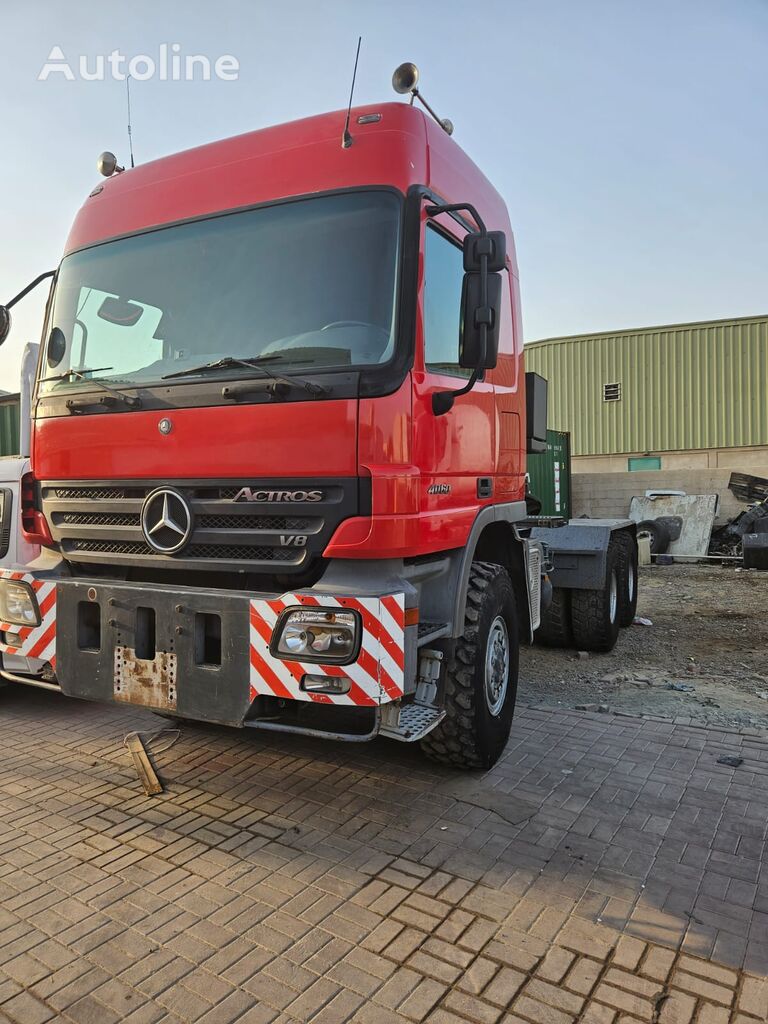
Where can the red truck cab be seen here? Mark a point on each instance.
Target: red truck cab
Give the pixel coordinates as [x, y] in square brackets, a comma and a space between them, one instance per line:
[261, 514]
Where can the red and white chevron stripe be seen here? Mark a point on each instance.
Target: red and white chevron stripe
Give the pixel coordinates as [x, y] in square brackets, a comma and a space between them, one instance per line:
[378, 674]
[35, 641]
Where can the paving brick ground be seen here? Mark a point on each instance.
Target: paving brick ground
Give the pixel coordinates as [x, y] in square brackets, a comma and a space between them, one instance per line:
[607, 870]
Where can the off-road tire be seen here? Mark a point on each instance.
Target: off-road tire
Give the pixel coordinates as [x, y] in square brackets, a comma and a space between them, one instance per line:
[594, 616]
[470, 736]
[555, 629]
[628, 578]
[658, 533]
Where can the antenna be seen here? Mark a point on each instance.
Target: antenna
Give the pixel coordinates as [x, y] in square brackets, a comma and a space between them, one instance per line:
[346, 138]
[128, 98]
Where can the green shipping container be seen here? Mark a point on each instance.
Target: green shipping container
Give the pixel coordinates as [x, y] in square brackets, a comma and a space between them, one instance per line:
[550, 474]
[9, 425]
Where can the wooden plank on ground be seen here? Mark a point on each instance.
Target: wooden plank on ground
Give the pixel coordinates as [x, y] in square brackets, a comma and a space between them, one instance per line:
[143, 765]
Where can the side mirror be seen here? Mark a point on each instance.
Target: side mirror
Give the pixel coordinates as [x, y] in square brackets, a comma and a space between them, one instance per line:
[492, 244]
[473, 316]
[485, 254]
[5, 323]
[5, 315]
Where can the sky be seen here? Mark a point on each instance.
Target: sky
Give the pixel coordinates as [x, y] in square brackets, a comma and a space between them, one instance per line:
[628, 138]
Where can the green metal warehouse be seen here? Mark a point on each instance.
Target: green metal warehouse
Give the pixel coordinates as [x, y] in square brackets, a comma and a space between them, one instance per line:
[677, 398]
[677, 407]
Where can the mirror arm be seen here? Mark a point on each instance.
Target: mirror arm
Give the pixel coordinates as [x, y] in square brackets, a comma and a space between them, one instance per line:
[29, 288]
[442, 401]
[435, 211]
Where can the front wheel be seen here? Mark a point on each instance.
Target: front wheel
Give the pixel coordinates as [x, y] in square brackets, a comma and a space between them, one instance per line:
[480, 682]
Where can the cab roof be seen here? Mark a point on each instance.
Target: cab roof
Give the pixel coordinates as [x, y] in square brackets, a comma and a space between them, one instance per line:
[402, 148]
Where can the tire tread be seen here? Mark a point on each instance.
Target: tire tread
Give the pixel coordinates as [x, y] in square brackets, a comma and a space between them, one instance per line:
[454, 740]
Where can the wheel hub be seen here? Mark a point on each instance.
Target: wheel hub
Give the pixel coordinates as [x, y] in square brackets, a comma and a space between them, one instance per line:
[497, 665]
[614, 597]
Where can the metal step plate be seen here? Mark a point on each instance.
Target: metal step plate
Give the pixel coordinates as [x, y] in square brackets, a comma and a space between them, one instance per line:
[413, 722]
[431, 631]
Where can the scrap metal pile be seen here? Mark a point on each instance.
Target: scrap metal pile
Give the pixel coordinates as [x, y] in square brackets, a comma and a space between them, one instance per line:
[746, 533]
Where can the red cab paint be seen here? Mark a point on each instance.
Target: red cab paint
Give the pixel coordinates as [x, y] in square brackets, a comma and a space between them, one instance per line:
[423, 469]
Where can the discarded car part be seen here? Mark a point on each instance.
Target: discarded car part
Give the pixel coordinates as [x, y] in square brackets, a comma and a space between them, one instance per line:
[595, 613]
[657, 534]
[644, 549]
[674, 525]
[695, 512]
[727, 540]
[748, 488]
[555, 629]
[755, 547]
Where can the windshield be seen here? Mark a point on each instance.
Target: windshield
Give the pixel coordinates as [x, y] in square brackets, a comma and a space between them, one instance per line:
[309, 283]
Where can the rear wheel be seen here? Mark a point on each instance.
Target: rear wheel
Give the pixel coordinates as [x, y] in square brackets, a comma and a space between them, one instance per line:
[595, 613]
[480, 681]
[627, 565]
[555, 629]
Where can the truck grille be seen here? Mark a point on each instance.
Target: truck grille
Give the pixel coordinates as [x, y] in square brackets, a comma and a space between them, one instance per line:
[89, 521]
[130, 547]
[204, 522]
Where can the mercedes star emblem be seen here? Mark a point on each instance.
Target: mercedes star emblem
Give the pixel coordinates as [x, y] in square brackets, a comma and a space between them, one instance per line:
[166, 520]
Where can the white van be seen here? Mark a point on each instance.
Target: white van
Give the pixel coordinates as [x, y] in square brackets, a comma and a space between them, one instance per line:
[15, 551]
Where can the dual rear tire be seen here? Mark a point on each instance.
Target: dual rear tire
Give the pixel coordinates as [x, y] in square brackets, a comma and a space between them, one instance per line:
[628, 578]
[589, 620]
[595, 613]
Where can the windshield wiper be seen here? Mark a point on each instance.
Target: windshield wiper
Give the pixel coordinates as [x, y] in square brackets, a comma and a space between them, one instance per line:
[115, 395]
[280, 385]
[75, 373]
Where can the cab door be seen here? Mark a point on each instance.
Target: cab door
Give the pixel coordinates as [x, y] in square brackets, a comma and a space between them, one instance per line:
[510, 393]
[456, 452]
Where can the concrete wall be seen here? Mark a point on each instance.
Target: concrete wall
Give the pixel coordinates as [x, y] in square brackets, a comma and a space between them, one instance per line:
[742, 460]
[601, 495]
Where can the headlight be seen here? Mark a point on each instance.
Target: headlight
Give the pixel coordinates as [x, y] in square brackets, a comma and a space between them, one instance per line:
[317, 634]
[18, 604]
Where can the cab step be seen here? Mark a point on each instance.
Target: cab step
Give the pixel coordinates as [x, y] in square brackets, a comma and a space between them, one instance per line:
[429, 631]
[412, 723]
